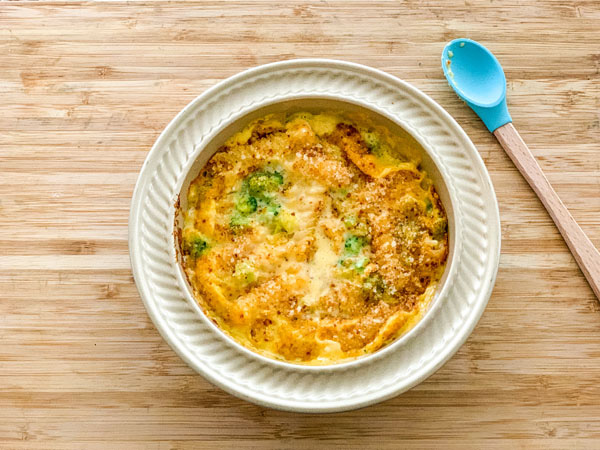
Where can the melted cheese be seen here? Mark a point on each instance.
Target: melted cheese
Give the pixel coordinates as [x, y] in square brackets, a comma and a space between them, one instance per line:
[314, 238]
[326, 257]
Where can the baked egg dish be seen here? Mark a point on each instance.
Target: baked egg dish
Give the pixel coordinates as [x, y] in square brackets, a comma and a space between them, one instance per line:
[314, 238]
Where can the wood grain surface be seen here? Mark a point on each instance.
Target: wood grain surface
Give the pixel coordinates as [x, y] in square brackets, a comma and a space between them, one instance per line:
[582, 248]
[85, 89]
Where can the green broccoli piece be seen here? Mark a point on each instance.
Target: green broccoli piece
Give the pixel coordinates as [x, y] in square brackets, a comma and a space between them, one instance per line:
[354, 244]
[285, 222]
[440, 227]
[360, 264]
[246, 204]
[254, 197]
[238, 221]
[350, 221]
[244, 273]
[273, 209]
[357, 264]
[358, 228]
[374, 287]
[428, 206]
[195, 246]
[371, 140]
[259, 183]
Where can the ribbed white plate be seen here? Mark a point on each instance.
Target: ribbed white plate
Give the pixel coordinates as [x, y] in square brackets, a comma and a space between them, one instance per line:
[451, 322]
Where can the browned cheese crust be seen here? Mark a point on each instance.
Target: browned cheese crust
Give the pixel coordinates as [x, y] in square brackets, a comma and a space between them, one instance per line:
[314, 238]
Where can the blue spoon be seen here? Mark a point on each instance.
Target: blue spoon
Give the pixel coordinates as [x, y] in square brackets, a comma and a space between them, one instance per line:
[477, 77]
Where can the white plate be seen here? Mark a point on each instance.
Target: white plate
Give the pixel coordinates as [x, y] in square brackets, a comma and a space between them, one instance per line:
[457, 309]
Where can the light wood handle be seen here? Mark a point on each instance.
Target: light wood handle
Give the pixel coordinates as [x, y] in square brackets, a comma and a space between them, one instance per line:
[586, 255]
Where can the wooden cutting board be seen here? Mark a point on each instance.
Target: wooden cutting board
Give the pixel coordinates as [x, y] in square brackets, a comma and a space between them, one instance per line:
[85, 89]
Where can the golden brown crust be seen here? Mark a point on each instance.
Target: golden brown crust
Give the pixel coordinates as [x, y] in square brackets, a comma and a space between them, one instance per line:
[339, 255]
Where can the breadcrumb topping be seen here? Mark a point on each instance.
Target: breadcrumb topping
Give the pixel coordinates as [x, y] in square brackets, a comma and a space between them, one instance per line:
[314, 238]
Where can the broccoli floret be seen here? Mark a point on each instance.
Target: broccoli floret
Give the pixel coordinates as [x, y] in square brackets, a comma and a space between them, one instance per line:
[285, 222]
[428, 206]
[255, 197]
[238, 221]
[273, 209]
[262, 182]
[195, 246]
[358, 228]
[244, 273]
[361, 263]
[350, 259]
[280, 220]
[374, 286]
[357, 264]
[350, 221]
[440, 227]
[354, 244]
[371, 140]
[246, 204]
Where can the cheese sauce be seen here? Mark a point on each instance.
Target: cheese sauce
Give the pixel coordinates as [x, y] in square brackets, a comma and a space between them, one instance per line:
[314, 238]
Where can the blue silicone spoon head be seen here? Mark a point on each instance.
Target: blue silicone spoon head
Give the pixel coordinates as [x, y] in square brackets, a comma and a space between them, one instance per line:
[477, 77]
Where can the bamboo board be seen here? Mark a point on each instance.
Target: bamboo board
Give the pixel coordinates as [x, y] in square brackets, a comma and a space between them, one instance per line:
[85, 90]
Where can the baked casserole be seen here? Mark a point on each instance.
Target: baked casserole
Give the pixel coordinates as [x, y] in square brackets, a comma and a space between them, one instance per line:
[314, 238]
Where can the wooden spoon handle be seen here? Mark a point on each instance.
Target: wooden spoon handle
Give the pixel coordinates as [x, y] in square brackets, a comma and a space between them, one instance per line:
[586, 255]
